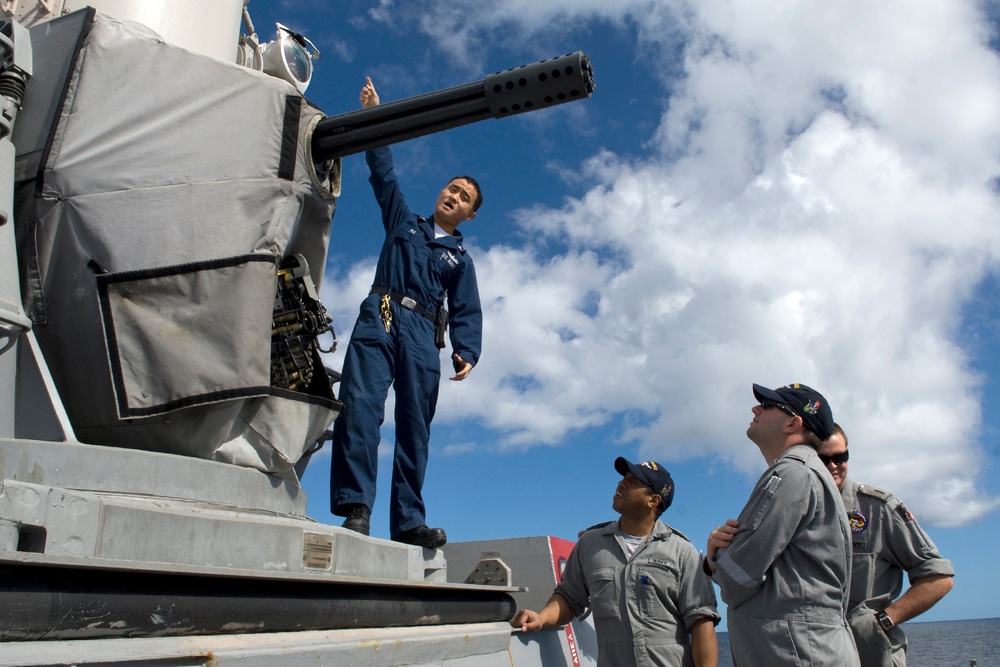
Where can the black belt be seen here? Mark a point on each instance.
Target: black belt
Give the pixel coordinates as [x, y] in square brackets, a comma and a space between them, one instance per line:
[406, 302]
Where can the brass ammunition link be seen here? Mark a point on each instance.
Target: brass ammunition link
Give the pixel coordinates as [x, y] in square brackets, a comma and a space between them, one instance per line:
[299, 318]
[386, 313]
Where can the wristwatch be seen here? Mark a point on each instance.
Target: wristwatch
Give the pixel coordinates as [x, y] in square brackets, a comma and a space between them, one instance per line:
[884, 621]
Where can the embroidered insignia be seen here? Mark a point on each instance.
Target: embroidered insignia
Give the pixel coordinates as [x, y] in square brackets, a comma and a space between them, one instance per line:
[665, 491]
[449, 257]
[812, 407]
[858, 521]
[904, 513]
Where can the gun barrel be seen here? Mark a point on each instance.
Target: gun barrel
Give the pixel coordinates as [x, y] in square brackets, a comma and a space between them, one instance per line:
[528, 88]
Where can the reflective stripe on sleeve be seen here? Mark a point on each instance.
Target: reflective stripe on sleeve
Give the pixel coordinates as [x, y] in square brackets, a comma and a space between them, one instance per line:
[735, 572]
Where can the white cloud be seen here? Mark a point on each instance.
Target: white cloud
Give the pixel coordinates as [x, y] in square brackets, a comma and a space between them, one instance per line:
[830, 211]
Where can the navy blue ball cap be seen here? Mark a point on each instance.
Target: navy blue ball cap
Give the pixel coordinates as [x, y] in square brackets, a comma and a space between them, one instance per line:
[652, 474]
[804, 401]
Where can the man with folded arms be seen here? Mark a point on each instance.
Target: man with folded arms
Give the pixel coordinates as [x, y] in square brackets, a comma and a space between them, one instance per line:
[784, 565]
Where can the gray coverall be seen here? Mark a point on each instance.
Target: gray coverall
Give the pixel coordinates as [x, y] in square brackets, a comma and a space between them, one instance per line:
[886, 541]
[644, 606]
[785, 575]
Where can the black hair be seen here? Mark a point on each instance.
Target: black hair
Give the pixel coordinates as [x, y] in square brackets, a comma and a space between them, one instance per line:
[810, 438]
[479, 191]
[661, 507]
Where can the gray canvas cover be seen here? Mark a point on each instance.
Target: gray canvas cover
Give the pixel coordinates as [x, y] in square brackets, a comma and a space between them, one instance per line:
[171, 188]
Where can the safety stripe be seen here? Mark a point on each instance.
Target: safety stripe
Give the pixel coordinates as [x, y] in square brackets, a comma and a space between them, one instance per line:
[737, 573]
[289, 137]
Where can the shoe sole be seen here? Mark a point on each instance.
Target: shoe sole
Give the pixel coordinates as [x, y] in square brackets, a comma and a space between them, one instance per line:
[436, 544]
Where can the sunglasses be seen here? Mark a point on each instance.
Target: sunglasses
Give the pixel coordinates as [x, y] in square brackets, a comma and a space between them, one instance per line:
[838, 459]
[767, 404]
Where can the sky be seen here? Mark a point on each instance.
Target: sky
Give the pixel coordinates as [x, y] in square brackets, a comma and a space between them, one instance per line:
[756, 192]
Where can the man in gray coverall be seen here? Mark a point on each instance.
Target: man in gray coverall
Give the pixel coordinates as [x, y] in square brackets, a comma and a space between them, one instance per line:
[886, 541]
[653, 606]
[783, 567]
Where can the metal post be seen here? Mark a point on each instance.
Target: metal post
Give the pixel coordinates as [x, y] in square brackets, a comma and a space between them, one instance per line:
[15, 68]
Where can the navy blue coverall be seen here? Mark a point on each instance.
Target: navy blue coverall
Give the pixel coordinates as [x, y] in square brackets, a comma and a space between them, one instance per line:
[430, 271]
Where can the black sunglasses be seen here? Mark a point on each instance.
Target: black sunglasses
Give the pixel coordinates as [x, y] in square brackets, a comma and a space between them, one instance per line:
[767, 404]
[838, 459]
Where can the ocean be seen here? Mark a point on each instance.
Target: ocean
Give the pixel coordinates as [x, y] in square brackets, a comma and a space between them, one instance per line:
[936, 644]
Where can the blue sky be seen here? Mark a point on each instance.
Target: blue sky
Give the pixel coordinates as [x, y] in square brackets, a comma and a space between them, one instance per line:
[783, 193]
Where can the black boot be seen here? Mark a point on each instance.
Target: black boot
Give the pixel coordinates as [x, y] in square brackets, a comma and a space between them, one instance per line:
[422, 536]
[358, 518]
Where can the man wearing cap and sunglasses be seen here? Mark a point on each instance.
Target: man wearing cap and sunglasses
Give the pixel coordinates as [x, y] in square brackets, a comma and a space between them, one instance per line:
[886, 542]
[652, 603]
[783, 567]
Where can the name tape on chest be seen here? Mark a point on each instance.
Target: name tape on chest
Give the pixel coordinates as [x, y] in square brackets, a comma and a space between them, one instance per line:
[449, 257]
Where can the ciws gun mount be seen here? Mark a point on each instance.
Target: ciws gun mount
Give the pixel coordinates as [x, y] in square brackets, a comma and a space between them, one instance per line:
[515, 91]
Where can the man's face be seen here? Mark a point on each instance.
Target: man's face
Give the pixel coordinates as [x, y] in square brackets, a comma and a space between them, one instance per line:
[767, 424]
[631, 495]
[454, 204]
[833, 447]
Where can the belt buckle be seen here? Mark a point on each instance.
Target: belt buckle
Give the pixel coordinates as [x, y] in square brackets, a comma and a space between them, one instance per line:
[408, 303]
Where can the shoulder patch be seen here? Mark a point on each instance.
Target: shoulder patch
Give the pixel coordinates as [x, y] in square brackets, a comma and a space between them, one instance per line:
[874, 492]
[677, 533]
[596, 525]
[905, 514]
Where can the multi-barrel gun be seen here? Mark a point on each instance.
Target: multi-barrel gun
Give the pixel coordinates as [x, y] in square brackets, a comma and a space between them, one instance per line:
[515, 91]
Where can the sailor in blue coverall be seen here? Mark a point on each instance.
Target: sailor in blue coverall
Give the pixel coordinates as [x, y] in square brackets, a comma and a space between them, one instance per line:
[423, 265]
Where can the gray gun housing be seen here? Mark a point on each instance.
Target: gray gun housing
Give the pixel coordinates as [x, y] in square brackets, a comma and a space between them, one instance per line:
[150, 264]
[515, 91]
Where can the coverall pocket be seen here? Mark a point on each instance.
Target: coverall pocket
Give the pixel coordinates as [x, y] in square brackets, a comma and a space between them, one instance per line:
[761, 504]
[874, 647]
[410, 251]
[654, 586]
[604, 593]
[862, 574]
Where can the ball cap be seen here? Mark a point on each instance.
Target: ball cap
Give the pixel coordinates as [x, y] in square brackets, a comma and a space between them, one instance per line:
[652, 474]
[806, 402]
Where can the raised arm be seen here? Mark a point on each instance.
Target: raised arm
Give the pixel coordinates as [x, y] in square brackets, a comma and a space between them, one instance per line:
[368, 97]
